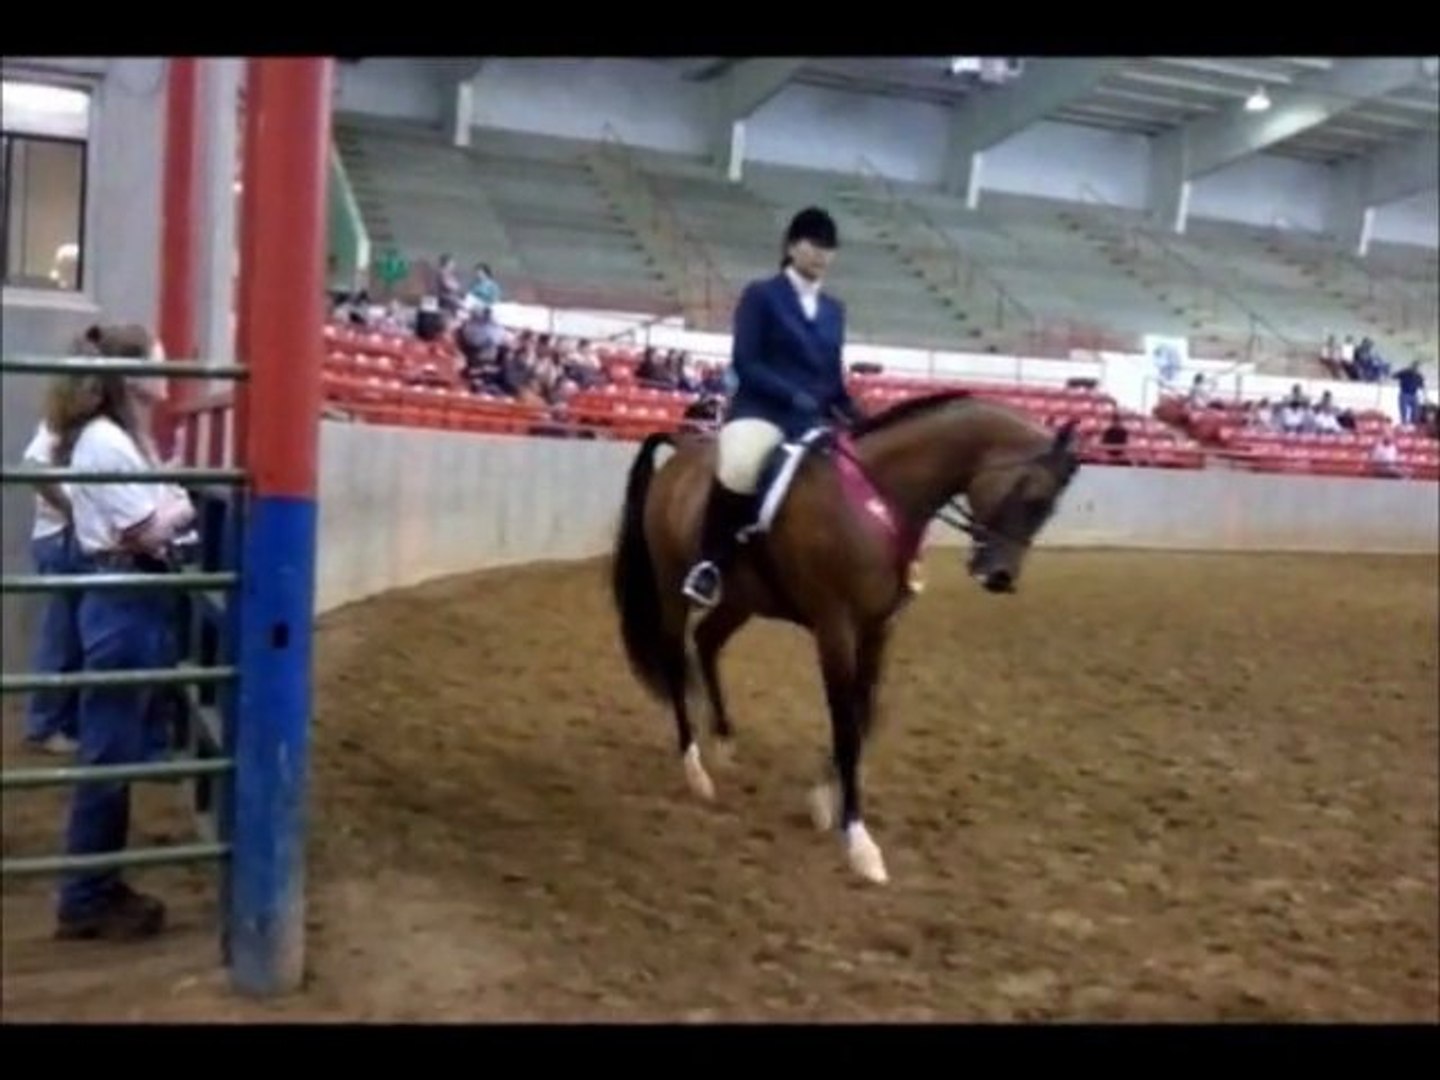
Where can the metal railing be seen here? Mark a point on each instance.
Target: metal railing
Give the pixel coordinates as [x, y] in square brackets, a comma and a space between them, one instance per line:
[1264, 339]
[210, 676]
[706, 296]
[943, 262]
[1392, 300]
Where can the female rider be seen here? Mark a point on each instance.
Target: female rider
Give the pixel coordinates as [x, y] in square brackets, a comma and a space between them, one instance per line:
[788, 341]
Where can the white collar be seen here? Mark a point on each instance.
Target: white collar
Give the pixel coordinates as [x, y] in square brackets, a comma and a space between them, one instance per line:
[803, 285]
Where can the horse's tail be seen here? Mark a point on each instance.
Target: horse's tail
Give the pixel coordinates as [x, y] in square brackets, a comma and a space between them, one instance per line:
[632, 575]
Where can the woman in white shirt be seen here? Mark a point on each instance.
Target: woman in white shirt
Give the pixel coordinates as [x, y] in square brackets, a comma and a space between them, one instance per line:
[100, 424]
[51, 716]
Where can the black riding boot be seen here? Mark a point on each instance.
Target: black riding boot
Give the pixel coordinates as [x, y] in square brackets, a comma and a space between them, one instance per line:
[725, 516]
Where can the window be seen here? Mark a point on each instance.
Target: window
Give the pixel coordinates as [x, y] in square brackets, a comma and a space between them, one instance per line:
[43, 147]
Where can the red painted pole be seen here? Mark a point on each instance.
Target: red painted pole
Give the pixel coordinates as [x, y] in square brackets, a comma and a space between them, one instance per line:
[283, 284]
[249, 134]
[178, 232]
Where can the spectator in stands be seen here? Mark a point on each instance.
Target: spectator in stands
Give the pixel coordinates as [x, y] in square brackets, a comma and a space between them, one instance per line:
[1330, 359]
[1369, 366]
[447, 285]
[484, 290]
[1323, 419]
[478, 332]
[1385, 455]
[714, 381]
[1199, 395]
[52, 716]
[1412, 385]
[517, 370]
[1294, 413]
[1429, 419]
[581, 365]
[100, 423]
[653, 370]
[1347, 357]
[704, 413]
[1116, 435]
[430, 320]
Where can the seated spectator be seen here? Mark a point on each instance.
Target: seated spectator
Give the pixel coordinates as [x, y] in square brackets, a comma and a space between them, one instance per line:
[582, 365]
[517, 370]
[1385, 455]
[1369, 366]
[1258, 415]
[713, 381]
[1330, 359]
[478, 332]
[652, 370]
[1429, 419]
[705, 412]
[1294, 415]
[1347, 357]
[1323, 420]
[430, 321]
[1199, 395]
[1115, 436]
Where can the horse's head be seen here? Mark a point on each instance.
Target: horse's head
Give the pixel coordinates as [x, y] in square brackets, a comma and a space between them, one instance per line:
[1011, 498]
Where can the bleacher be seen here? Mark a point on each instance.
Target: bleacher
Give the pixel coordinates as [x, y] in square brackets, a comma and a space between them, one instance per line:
[1070, 274]
[1025, 275]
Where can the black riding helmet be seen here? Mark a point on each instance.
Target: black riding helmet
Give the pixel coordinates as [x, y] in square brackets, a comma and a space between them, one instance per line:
[815, 225]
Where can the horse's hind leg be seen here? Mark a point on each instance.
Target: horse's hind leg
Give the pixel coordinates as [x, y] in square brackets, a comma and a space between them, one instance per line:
[712, 634]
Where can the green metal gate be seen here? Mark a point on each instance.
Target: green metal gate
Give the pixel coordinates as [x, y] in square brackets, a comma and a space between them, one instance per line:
[207, 674]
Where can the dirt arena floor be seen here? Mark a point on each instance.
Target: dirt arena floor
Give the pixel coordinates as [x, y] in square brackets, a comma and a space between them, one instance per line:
[1150, 786]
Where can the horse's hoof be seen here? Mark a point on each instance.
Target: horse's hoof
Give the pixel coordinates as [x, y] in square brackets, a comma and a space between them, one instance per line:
[696, 776]
[864, 854]
[821, 800]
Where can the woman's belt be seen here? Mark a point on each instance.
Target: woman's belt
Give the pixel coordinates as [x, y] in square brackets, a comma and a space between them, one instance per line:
[130, 561]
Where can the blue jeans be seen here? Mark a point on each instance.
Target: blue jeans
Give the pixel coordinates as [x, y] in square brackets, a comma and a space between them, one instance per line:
[119, 630]
[1409, 408]
[57, 647]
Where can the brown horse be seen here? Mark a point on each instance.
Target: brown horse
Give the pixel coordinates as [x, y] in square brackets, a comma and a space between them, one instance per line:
[833, 559]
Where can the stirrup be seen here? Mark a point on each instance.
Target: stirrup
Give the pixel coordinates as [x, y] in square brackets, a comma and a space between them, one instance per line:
[692, 587]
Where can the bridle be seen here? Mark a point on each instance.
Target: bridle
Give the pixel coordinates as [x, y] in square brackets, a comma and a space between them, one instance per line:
[962, 519]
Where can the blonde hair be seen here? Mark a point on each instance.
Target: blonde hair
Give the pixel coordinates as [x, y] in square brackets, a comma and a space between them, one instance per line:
[72, 401]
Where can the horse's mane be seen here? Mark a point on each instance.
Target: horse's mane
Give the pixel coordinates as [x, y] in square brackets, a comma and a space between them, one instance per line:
[908, 410]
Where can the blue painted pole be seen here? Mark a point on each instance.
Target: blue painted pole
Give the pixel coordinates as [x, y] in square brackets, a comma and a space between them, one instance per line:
[287, 130]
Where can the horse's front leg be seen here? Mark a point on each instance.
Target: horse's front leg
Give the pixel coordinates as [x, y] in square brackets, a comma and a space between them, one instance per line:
[847, 662]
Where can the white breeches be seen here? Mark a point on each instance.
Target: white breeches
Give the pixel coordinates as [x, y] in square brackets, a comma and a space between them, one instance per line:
[744, 446]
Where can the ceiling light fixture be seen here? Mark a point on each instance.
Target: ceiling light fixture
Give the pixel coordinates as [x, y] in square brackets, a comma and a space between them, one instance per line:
[1259, 101]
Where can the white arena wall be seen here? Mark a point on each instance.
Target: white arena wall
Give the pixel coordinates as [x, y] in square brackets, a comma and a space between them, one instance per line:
[403, 506]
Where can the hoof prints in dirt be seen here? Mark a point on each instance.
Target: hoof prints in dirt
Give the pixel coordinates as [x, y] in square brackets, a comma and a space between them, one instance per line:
[1150, 786]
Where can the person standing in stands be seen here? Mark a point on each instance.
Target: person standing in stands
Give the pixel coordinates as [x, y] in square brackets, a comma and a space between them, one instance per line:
[99, 421]
[51, 719]
[484, 290]
[786, 360]
[1412, 385]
